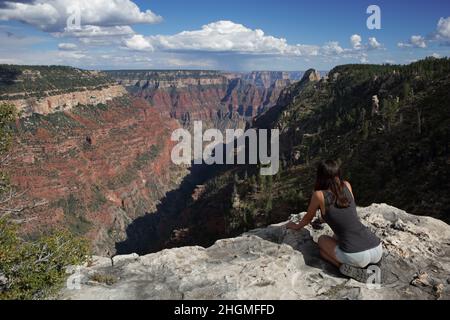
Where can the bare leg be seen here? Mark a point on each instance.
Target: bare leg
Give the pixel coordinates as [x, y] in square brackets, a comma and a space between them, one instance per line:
[330, 259]
[327, 247]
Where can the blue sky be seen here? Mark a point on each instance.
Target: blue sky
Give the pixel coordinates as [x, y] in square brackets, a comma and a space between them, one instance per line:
[228, 35]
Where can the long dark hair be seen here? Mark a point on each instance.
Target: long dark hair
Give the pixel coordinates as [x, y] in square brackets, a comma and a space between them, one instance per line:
[329, 178]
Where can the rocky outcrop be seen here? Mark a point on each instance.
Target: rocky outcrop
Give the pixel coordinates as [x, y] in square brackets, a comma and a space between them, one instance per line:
[312, 75]
[273, 263]
[167, 79]
[266, 79]
[62, 102]
[48, 89]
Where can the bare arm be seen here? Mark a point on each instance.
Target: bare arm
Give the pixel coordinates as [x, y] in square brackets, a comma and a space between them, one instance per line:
[312, 209]
[349, 186]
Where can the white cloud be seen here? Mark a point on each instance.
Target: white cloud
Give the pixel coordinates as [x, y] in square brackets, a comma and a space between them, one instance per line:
[443, 28]
[72, 55]
[230, 37]
[441, 35]
[415, 41]
[87, 31]
[373, 43]
[306, 50]
[223, 36]
[436, 55]
[67, 46]
[52, 15]
[332, 48]
[418, 41]
[138, 42]
[99, 41]
[40, 15]
[404, 45]
[355, 40]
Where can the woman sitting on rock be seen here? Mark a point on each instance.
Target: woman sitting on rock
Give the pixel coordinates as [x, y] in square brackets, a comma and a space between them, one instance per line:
[354, 247]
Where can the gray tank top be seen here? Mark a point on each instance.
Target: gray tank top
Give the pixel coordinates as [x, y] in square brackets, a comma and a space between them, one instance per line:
[352, 235]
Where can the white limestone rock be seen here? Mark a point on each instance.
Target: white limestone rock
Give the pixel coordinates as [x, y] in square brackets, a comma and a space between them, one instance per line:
[275, 263]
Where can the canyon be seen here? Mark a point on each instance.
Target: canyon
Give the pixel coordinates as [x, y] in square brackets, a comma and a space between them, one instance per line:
[94, 156]
[207, 95]
[393, 151]
[91, 154]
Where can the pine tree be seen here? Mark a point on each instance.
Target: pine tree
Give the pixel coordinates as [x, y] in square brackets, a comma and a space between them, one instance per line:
[406, 90]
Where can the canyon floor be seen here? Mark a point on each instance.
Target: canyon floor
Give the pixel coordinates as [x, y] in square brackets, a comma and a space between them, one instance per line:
[273, 263]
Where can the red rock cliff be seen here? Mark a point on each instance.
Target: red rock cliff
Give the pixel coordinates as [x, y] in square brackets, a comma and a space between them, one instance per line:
[97, 167]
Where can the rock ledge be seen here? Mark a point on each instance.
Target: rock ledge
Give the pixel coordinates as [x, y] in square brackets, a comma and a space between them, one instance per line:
[272, 263]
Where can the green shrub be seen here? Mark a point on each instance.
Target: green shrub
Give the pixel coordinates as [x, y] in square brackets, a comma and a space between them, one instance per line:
[154, 151]
[32, 269]
[74, 214]
[98, 199]
[7, 115]
[36, 269]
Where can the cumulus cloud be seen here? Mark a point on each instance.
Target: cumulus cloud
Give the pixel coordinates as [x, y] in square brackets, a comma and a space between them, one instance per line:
[138, 42]
[222, 36]
[233, 38]
[373, 43]
[332, 48]
[96, 31]
[355, 40]
[443, 28]
[67, 46]
[418, 41]
[441, 35]
[40, 15]
[52, 15]
[415, 41]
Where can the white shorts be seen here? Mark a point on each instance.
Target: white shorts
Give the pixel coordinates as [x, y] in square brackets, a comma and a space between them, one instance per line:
[360, 259]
